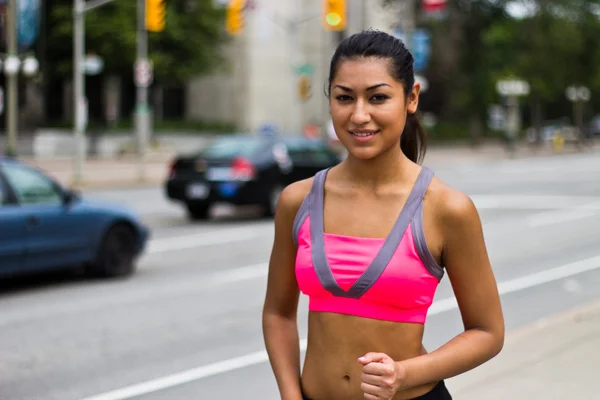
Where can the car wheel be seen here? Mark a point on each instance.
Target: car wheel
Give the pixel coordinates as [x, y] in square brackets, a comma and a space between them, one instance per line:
[198, 211]
[272, 200]
[117, 253]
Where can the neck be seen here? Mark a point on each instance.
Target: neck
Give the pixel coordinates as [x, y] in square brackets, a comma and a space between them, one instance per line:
[391, 166]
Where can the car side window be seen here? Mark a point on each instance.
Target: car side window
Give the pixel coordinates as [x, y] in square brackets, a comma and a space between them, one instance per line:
[3, 194]
[30, 186]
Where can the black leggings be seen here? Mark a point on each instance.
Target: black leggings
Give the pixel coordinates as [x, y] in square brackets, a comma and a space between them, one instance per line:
[439, 392]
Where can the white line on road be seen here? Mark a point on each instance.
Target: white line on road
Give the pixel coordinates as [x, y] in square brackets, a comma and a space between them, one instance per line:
[554, 217]
[259, 357]
[536, 202]
[579, 205]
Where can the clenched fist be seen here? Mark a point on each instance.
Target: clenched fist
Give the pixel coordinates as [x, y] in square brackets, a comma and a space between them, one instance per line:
[381, 376]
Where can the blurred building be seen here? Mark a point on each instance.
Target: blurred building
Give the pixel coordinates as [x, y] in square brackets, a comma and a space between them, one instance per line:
[262, 86]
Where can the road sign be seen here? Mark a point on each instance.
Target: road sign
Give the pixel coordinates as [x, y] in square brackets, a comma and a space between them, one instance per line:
[420, 46]
[93, 64]
[305, 70]
[29, 22]
[143, 75]
[575, 93]
[513, 87]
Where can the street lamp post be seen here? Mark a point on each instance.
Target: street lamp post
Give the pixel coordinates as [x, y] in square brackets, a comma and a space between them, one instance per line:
[578, 95]
[11, 68]
[13, 63]
[512, 89]
[80, 7]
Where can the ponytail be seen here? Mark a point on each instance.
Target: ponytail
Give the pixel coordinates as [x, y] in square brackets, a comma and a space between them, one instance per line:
[413, 141]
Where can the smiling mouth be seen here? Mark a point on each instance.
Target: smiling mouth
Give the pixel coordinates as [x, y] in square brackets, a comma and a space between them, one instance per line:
[364, 134]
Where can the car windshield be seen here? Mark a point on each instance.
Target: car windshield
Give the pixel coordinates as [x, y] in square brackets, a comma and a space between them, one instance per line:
[234, 146]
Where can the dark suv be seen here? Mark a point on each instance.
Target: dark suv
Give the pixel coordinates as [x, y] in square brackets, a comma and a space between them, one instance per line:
[244, 170]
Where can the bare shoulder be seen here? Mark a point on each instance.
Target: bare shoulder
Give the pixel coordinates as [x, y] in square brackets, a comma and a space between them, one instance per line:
[451, 206]
[293, 195]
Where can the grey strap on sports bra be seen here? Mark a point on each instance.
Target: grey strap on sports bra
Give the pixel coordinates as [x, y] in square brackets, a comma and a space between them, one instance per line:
[383, 257]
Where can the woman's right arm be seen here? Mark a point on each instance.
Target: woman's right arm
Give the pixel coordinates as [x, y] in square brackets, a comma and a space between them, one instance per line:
[280, 328]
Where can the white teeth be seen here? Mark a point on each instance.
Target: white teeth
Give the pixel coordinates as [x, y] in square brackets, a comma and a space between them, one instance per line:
[363, 134]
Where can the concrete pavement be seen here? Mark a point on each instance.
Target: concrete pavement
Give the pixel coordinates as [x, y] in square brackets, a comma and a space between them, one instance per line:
[554, 358]
[200, 288]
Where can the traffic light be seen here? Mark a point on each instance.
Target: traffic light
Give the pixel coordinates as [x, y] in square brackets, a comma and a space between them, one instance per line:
[235, 16]
[155, 15]
[304, 88]
[334, 14]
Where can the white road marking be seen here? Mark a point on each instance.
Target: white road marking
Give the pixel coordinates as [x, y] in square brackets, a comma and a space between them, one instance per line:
[535, 202]
[259, 357]
[554, 217]
[582, 207]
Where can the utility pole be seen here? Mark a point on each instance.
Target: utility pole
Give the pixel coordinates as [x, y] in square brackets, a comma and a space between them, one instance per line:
[12, 94]
[78, 88]
[80, 7]
[408, 21]
[143, 77]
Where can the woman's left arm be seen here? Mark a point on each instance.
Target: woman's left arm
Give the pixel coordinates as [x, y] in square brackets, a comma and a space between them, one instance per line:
[468, 267]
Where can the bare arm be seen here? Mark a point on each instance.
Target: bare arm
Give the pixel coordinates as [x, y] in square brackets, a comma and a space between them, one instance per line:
[470, 273]
[280, 327]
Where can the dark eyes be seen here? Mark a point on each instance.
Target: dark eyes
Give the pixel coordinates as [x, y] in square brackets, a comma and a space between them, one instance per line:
[378, 98]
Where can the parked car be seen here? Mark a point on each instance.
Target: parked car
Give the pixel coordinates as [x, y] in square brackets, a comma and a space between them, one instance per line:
[244, 170]
[551, 129]
[44, 226]
[594, 127]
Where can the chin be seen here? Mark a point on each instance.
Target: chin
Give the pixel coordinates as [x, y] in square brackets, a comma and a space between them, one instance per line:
[364, 153]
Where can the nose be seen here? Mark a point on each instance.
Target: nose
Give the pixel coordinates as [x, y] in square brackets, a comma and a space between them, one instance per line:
[360, 114]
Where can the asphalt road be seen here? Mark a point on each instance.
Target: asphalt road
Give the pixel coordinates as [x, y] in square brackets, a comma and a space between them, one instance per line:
[187, 326]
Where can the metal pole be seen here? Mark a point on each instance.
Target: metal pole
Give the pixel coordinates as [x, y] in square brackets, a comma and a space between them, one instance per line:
[12, 109]
[409, 22]
[78, 88]
[142, 111]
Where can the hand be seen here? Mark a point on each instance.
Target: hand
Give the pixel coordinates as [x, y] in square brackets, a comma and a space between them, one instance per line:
[381, 376]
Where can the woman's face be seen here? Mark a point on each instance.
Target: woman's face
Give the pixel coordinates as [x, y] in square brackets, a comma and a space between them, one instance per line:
[368, 106]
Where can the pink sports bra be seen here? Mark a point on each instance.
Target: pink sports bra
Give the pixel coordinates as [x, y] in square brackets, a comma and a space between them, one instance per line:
[391, 279]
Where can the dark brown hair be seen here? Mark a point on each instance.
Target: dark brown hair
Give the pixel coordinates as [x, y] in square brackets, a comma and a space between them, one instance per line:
[377, 44]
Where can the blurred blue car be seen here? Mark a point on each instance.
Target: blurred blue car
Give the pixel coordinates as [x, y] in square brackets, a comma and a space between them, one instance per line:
[45, 226]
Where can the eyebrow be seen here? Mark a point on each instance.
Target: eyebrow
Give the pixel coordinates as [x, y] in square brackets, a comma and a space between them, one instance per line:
[347, 89]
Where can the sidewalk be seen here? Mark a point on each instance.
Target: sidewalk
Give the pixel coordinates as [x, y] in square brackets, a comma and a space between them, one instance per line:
[99, 173]
[105, 173]
[555, 358]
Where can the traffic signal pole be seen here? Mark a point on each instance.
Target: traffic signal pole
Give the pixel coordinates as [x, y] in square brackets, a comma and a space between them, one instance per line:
[142, 109]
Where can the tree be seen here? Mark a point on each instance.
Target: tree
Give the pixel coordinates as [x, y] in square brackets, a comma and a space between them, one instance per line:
[189, 46]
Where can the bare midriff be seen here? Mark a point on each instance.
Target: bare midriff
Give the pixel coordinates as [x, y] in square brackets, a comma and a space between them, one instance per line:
[331, 370]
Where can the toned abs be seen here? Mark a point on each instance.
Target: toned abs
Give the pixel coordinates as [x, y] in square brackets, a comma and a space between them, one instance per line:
[331, 370]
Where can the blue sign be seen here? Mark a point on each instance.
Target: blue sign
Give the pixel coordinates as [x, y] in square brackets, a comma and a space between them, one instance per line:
[28, 22]
[420, 47]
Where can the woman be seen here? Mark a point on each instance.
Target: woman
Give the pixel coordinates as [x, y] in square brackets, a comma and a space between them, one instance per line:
[366, 241]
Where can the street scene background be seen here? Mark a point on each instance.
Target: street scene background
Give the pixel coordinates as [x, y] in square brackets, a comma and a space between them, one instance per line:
[113, 100]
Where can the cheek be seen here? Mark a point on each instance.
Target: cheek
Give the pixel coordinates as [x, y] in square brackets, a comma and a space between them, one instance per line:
[391, 117]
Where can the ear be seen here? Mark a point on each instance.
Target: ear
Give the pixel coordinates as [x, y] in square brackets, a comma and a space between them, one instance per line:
[412, 102]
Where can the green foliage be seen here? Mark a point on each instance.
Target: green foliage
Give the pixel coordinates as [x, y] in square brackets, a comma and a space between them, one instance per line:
[479, 43]
[190, 44]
